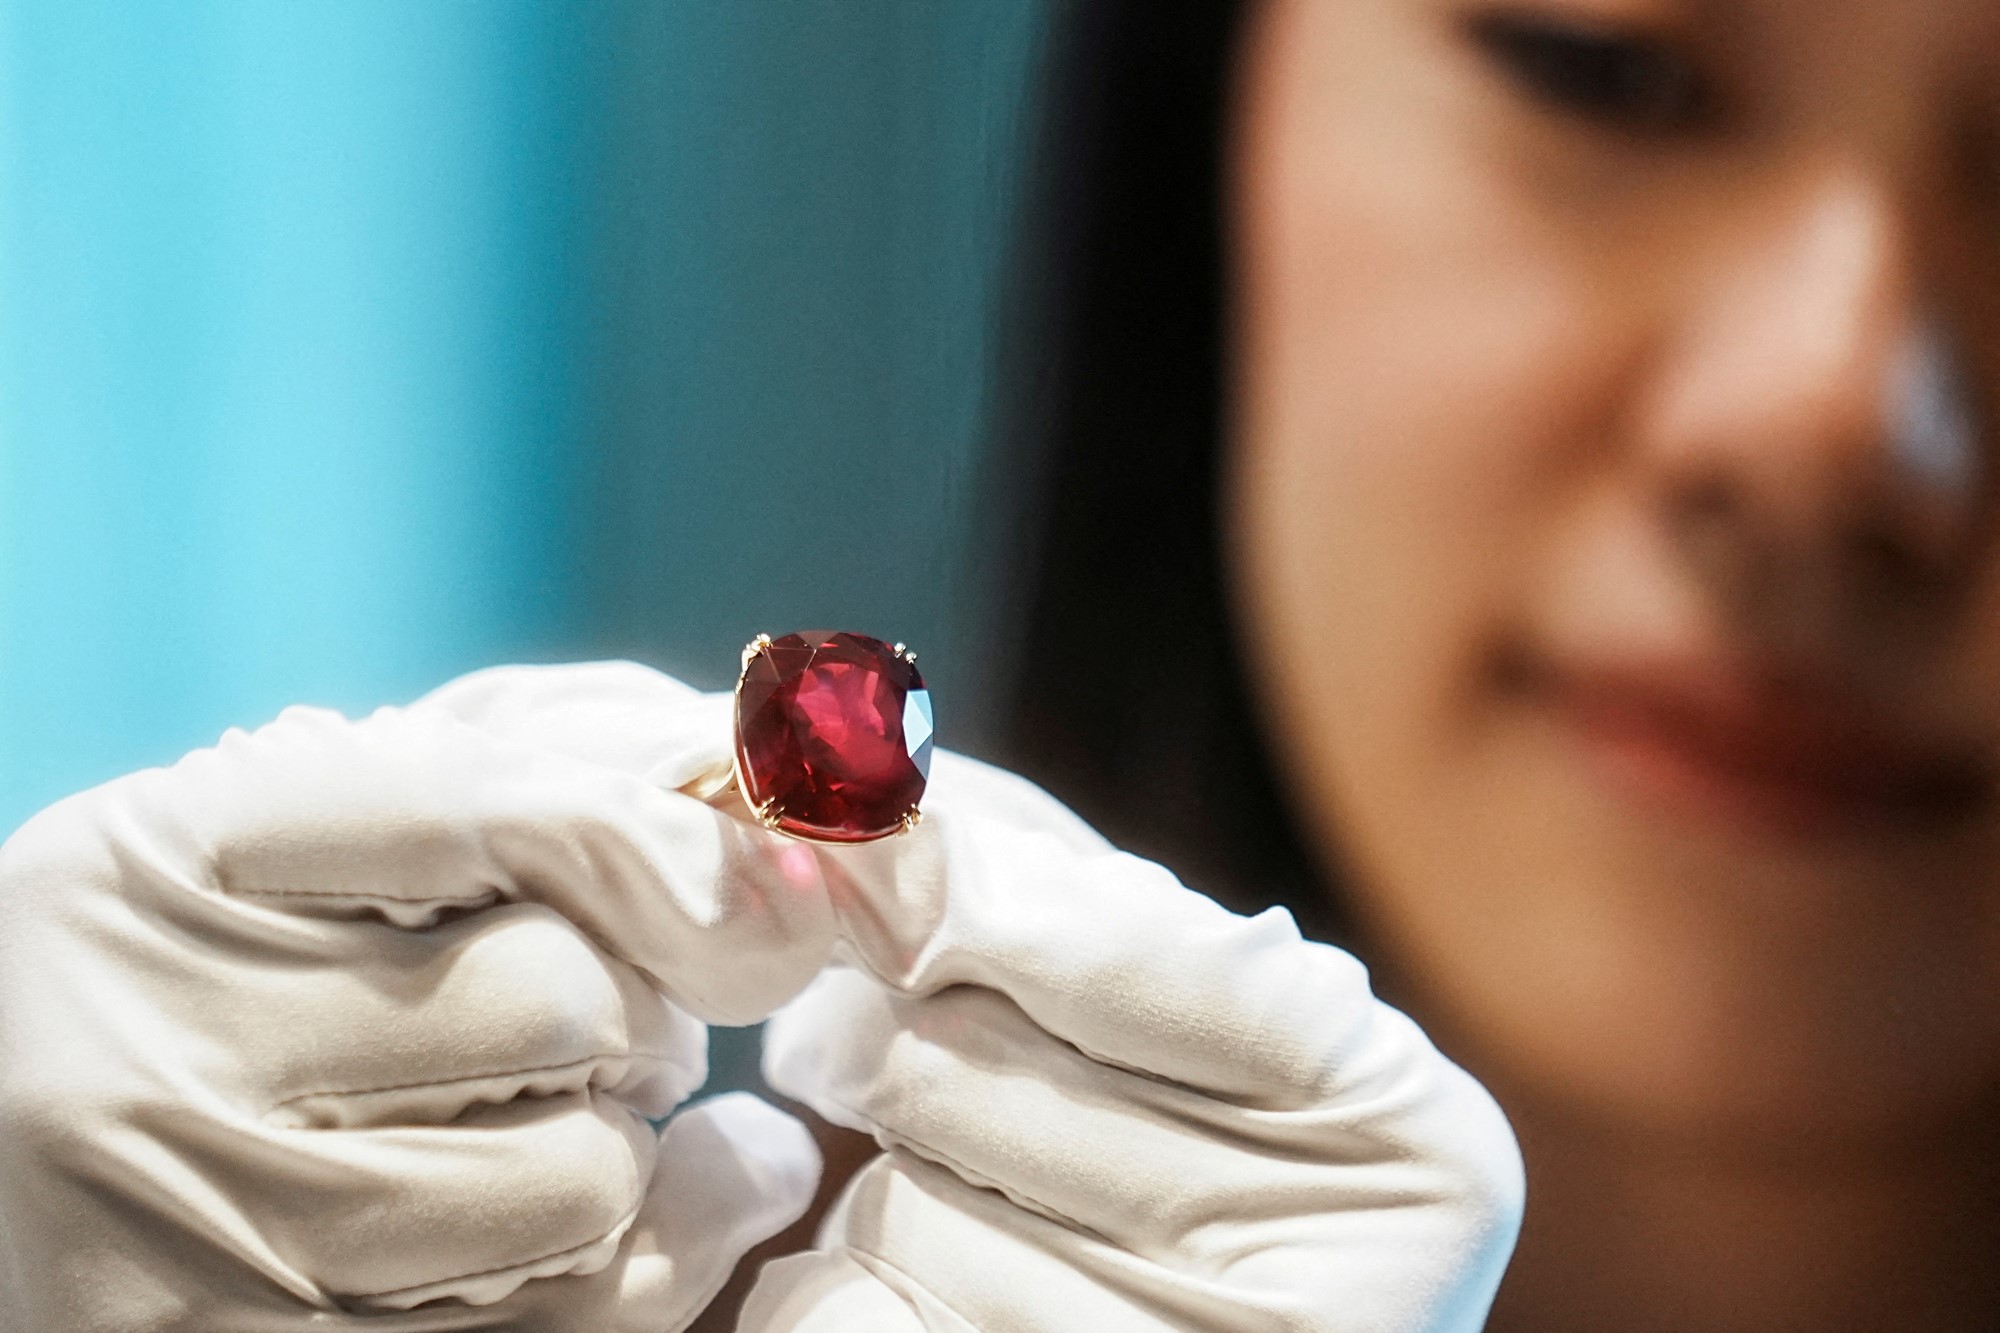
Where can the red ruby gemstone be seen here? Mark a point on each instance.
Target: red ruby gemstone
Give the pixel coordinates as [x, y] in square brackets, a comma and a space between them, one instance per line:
[833, 735]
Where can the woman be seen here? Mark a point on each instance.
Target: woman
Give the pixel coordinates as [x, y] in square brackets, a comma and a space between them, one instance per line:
[1559, 434]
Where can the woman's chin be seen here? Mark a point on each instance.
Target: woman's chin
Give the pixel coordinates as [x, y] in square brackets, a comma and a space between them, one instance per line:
[1621, 935]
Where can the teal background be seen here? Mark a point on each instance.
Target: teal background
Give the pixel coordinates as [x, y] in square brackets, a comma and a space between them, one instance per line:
[347, 346]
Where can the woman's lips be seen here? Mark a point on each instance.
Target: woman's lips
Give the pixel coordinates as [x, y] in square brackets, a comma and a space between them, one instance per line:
[1777, 757]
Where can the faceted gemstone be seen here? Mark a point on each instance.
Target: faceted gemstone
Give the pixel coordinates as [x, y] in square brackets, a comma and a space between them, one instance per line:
[833, 736]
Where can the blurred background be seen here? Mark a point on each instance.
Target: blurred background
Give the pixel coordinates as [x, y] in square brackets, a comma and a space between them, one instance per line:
[348, 346]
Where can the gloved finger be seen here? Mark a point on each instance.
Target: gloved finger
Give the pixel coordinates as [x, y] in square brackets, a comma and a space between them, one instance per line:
[842, 1291]
[1420, 1163]
[410, 815]
[733, 1171]
[391, 1218]
[730, 1172]
[413, 1027]
[1109, 952]
[911, 1246]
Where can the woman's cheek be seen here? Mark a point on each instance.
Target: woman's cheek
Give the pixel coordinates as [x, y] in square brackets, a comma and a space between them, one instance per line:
[1412, 440]
[1430, 359]
[1419, 427]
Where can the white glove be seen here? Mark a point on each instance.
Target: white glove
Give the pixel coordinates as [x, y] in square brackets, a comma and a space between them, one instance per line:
[1111, 1105]
[339, 1019]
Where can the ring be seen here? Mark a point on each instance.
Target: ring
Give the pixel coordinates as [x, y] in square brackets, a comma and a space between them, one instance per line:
[833, 737]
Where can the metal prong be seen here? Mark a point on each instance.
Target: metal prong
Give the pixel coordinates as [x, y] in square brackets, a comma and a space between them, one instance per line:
[911, 818]
[769, 813]
[754, 647]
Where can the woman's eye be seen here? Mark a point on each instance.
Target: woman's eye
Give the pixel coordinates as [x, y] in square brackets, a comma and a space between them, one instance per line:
[1616, 78]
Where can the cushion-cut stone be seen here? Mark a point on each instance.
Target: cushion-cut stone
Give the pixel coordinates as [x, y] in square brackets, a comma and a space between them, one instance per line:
[833, 736]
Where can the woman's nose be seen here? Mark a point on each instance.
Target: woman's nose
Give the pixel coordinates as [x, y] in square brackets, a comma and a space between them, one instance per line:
[1812, 428]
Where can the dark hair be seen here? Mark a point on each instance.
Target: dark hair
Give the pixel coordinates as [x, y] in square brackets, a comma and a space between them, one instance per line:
[1125, 693]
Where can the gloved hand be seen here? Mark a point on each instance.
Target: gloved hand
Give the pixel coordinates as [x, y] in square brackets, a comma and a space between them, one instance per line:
[1111, 1105]
[338, 1019]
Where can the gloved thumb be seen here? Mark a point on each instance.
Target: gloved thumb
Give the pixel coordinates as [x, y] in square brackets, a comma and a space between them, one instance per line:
[732, 1171]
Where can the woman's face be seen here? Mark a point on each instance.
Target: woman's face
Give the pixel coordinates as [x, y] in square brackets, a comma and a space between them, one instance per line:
[1641, 658]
